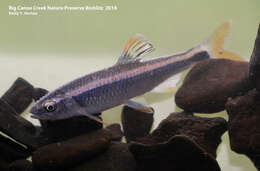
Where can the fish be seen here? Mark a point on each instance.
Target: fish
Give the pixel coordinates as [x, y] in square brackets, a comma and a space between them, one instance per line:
[128, 78]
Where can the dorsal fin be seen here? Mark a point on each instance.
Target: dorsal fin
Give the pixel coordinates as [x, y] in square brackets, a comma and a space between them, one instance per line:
[135, 49]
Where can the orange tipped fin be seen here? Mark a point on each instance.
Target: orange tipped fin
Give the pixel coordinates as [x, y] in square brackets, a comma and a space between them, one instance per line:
[217, 41]
[135, 49]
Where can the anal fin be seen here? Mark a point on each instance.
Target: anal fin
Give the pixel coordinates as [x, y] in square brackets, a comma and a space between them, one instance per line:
[82, 111]
[168, 86]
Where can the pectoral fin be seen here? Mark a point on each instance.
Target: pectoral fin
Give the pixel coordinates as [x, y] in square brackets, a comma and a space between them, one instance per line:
[139, 107]
[94, 118]
[82, 111]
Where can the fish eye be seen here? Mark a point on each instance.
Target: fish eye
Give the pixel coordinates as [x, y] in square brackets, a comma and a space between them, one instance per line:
[50, 106]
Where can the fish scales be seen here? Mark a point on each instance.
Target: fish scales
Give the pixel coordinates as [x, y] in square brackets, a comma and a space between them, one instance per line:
[129, 78]
[112, 92]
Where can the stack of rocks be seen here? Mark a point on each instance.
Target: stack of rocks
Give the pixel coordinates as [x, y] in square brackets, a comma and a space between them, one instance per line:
[221, 84]
[182, 141]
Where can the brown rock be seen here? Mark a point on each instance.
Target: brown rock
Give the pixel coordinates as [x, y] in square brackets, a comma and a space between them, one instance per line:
[69, 153]
[17, 127]
[254, 65]
[208, 85]
[244, 127]
[116, 158]
[177, 153]
[135, 123]
[21, 165]
[206, 132]
[64, 129]
[4, 165]
[17, 99]
[38, 93]
[11, 151]
[116, 132]
[19, 95]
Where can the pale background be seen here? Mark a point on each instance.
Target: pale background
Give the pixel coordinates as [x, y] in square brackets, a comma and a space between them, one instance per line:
[55, 47]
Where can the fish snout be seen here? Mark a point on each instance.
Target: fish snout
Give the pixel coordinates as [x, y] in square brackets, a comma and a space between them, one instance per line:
[33, 110]
[35, 114]
[40, 116]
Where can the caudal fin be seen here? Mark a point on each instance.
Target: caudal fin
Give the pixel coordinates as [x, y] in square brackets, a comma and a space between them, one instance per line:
[213, 45]
[217, 40]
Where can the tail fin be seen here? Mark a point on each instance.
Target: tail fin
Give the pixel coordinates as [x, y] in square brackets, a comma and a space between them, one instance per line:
[217, 40]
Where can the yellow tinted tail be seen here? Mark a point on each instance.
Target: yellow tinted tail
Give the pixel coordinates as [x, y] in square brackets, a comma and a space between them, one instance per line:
[217, 40]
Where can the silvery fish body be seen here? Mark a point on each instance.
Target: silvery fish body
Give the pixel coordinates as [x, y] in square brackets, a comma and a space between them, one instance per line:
[116, 85]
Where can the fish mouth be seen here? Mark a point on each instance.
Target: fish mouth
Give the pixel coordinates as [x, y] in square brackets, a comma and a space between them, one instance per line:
[39, 116]
[33, 110]
[35, 116]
